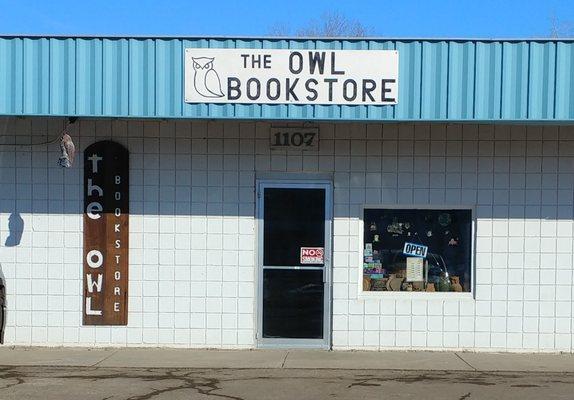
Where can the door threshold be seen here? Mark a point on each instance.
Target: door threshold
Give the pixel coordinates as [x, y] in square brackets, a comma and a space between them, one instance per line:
[307, 345]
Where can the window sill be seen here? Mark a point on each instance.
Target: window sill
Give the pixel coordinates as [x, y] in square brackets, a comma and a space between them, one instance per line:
[416, 295]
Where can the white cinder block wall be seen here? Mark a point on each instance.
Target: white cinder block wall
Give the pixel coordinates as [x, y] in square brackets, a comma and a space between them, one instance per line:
[192, 231]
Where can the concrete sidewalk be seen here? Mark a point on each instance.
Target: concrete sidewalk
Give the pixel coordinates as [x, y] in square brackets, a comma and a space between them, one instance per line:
[284, 359]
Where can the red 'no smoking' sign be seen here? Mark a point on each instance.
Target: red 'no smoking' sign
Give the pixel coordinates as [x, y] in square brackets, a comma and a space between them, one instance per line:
[312, 255]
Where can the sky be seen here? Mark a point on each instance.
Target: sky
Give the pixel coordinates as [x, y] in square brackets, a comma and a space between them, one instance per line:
[398, 18]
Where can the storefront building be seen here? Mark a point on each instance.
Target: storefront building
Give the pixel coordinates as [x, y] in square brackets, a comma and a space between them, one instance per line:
[256, 193]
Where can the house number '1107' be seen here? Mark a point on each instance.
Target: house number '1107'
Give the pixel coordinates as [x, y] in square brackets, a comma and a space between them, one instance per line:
[295, 139]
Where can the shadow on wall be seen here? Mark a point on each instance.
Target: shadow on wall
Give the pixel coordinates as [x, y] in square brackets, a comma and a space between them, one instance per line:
[209, 168]
[16, 228]
[2, 305]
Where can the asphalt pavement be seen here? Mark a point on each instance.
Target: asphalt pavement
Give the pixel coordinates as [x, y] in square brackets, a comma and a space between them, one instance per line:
[161, 374]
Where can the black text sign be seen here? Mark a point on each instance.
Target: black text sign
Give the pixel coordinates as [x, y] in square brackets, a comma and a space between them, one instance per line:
[306, 139]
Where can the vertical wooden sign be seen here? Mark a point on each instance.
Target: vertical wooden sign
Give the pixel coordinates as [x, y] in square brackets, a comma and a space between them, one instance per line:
[106, 234]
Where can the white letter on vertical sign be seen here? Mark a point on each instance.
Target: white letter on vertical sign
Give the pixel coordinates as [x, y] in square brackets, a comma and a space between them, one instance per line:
[94, 159]
[94, 208]
[92, 284]
[91, 189]
[100, 259]
[89, 310]
[118, 179]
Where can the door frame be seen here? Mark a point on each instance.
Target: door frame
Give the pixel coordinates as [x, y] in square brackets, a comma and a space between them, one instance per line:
[327, 185]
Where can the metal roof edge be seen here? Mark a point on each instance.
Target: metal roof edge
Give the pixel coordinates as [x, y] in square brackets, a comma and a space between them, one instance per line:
[293, 38]
[497, 121]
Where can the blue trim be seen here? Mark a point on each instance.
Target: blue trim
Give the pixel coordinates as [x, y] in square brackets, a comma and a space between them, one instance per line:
[483, 81]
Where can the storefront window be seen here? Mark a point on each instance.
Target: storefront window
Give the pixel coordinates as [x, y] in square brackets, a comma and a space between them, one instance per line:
[417, 250]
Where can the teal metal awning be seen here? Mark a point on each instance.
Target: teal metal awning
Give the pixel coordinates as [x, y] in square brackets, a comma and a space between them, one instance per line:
[439, 80]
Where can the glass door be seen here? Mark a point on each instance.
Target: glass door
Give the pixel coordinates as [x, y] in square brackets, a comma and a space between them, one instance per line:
[294, 264]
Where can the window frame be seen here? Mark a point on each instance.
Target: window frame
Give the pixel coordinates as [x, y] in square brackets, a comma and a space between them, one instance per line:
[417, 295]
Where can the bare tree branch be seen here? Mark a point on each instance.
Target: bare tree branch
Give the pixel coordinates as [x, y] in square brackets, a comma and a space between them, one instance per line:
[560, 29]
[331, 24]
[279, 29]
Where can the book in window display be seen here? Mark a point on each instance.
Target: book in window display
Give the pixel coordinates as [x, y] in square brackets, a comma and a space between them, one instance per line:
[417, 250]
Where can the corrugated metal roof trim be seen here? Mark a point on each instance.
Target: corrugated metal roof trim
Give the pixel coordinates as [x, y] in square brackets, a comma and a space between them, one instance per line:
[438, 80]
[301, 38]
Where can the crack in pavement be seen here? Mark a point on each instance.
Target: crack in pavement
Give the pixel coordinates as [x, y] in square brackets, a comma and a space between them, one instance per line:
[7, 373]
[206, 388]
[216, 382]
[480, 379]
[104, 359]
[464, 361]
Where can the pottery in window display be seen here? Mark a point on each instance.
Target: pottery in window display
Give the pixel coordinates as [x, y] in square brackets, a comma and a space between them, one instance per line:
[379, 285]
[455, 284]
[430, 287]
[366, 283]
[394, 283]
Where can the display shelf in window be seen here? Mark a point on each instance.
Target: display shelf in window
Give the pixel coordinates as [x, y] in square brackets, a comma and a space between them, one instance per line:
[417, 250]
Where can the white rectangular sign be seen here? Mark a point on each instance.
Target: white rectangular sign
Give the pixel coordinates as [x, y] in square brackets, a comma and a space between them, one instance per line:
[296, 76]
[290, 138]
[415, 269]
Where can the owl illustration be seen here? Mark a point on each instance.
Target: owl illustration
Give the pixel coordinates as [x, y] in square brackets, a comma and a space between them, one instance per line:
[205, 79]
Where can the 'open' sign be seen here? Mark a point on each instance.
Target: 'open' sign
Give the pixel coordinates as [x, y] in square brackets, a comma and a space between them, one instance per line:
[416, 250]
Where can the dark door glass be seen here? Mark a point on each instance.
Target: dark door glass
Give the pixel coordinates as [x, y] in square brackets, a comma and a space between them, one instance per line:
[293, 303]
[293, 218]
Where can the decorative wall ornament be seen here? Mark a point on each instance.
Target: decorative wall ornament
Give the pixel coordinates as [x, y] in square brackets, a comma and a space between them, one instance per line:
[68, 151]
